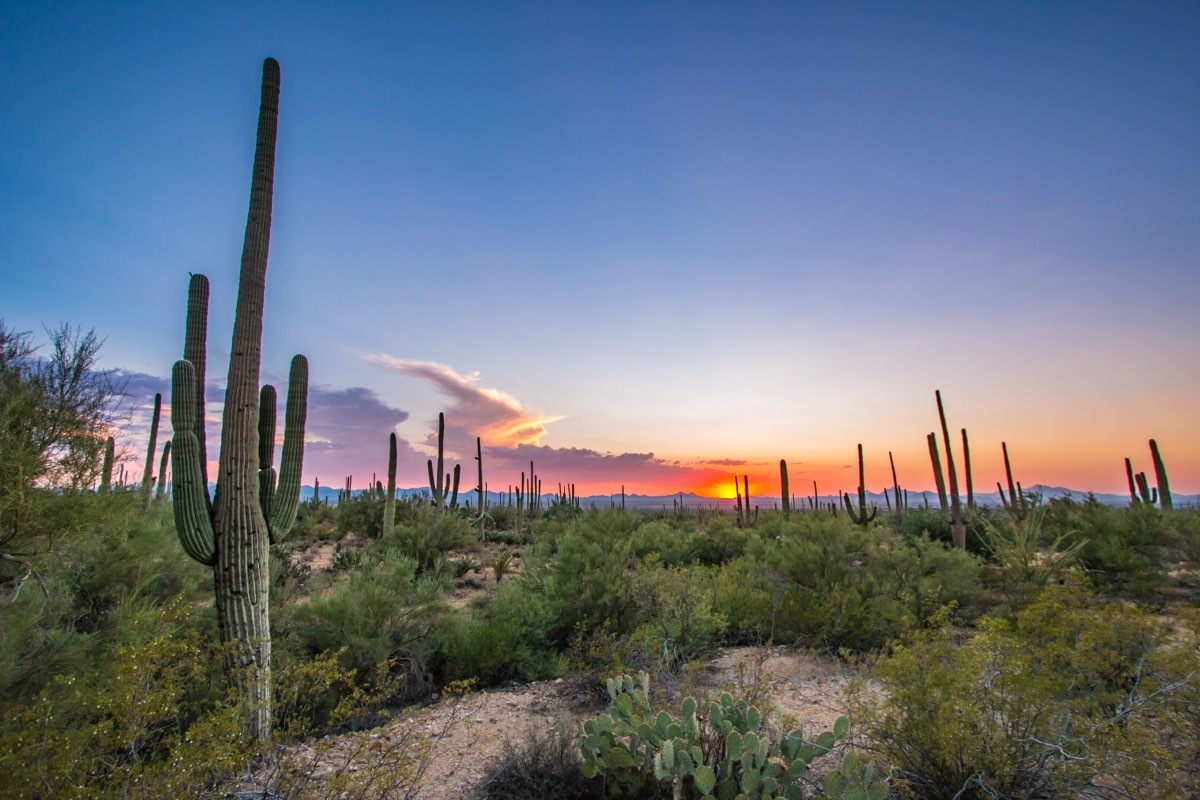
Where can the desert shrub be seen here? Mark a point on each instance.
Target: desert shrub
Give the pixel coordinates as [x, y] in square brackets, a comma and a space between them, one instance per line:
[314, 521]
[746, 595]
[542, 764]
[1127, 549]
[382, 616]
[919, 521]
[502, 642]
[427, 541]
[675, 609]
[145, 721]
[582, 578]
[844, 587]
[56, 623]
[1058, 702]
[361, 514]
[503, 518]
[1025, 566]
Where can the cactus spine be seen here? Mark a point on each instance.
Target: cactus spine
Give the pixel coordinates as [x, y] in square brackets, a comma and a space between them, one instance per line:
[232, 534]
[860, 516]
[389, 500]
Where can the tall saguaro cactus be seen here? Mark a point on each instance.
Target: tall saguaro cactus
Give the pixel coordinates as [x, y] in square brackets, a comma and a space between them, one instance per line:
[389, 501]
[958, 523]
[860, 516]
[148, 469]
[784, 496]
[233, 533]
[160, 493]
[1015, 504]
[440, 488]
[1160, 476]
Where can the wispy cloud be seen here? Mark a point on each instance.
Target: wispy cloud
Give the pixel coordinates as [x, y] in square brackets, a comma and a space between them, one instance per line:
[495, 416]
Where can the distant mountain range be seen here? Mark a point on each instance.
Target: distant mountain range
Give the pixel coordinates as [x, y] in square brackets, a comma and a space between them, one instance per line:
[692, 500]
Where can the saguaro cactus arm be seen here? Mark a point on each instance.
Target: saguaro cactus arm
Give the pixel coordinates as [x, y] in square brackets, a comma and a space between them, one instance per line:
[938, 478]
[1160, 476]
[266, 448]
[286, 499]
[190, 493]
[195, 352]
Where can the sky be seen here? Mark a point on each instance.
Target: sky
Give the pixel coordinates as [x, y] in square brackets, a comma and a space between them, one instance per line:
[642, 244]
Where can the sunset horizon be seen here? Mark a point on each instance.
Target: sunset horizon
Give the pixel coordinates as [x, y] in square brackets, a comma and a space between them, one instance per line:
[758, 233]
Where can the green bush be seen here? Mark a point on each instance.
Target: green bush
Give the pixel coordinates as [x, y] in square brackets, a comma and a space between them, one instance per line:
[383, 615]
[1060, 702]
[1127, 549]
[675, 608]
[361, 514]
[427, 540]
[146, 721]
[840, 586]
[502, 642]
[111, 556]
[747, 595]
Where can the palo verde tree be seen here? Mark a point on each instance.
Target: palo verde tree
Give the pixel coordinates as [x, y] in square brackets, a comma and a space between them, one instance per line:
[232, 532]
[56, 414]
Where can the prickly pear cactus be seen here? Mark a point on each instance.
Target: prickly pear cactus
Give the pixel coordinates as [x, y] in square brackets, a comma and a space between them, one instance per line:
[721, 750]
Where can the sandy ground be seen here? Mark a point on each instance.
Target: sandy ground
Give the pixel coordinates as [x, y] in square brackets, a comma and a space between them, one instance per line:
[456, 741]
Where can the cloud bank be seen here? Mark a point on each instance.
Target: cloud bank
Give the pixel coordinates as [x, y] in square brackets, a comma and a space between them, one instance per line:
[495, 416]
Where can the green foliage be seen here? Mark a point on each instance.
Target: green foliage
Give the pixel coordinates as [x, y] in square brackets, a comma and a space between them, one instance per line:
[502, 564]
[839, 586]
[361, 514]
[1026, 567]
[1130, 549]
[55, 415]
[675, 611]
[917, 521]
[145, 721]
[428, 539]
[1060, 701]
[107, 557]
[382, 615]
[719, 749]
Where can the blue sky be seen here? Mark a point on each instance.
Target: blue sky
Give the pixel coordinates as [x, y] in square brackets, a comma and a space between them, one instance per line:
[702, 231]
